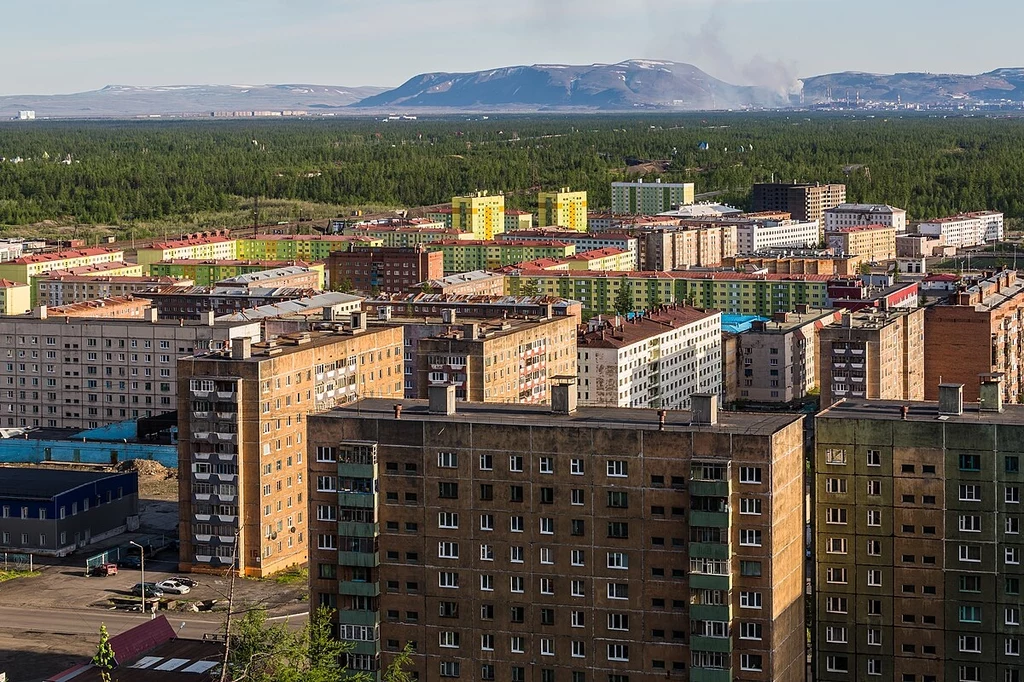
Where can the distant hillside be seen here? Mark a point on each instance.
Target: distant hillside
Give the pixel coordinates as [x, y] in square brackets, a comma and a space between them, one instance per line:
[126, 101]
[917, 88]
[630, 85]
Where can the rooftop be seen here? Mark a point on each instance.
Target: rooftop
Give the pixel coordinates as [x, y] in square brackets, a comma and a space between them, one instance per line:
[267, 264]
[190, 241]
[632, 419]
[7, 284]
[96, 269]
[612, 334]
[782, 323]
[82, 308]
[858, 228]
[292, 343]
[300, 306]
[864, 208]
[33, 483]
[462, 278]
[59, 276]
[65, 255]
[510, 244]
[920, 411]
[250, 277]
[661, 274]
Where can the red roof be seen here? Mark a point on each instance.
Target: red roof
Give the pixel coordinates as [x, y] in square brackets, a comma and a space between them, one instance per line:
[64, 255]
[194, 241]
[6, 284]
[859, 228]
[141, 639]
[675, 274]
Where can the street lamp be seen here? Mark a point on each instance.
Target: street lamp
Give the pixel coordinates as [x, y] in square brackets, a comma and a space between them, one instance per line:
[142, 565]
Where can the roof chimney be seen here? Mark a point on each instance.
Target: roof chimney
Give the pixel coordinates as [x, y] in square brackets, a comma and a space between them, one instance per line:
[951, 399]
[358, 321]
[241, 348]
[990, 396]
[152, 315]
[470, 331]
[704, 408]
[441, 399]
[563, 398]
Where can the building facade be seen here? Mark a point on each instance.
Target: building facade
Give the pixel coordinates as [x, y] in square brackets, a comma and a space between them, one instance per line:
[805, 202]
[518, 220]
[851, 215]
[15, 297]
[510, 542]
[242, 413]
[873, 243]
[756, 235]
[917, 570]
[465, 256]
[873, 355]
[650, 198]
[384, 269]
[563, 209]
[655, 360]
[117, 307]
[784, 262]
[208, 272]
[472, 283]
[964, 230]
[681, 248]
[481, 214]
[25, 268]
[58, 289]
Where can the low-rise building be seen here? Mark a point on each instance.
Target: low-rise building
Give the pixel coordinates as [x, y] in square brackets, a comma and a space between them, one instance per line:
[922, 246]
[607, 258]
[15, 297]
[517, 220]
[404, 234]
[650, 198]
[873, 354]
[655, 360]
[117, 307]
[215, 245]
[873, 243]
[777, 359]
[294, 276]
[384, 269]
[488, 307]
[58, 288]
[473, 283]
[756, 235]
[25, 268]
[300, 247]
[192, 302]
[54, 512]
[873, 291]
[208, 272]
[851, 215]
[243, 460]
[961, 231]
[441, 214]
[500, 361]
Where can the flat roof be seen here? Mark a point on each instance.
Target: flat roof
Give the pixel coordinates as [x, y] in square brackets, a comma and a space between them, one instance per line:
[680, 421]
[641, 327]
[32, 483]
[286, 344]
[920, 411]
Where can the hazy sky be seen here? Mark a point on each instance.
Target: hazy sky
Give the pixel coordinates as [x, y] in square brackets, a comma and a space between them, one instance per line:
[57, 46]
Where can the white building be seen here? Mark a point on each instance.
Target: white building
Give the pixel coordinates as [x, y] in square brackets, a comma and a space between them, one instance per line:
[851, 215]
[703, 210]
[657, 360]
[759, 235]
[26, 115]
[649, 198]
[966, 229]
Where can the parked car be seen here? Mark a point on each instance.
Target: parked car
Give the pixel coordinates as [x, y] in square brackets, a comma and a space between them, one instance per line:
[191, 582]
[173, 587]
[152, 590]
[130, 561]
[103, 570]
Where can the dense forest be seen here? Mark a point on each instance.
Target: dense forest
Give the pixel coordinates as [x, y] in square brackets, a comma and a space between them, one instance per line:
[116, 172]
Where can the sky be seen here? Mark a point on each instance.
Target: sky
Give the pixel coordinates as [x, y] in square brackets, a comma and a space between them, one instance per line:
[61, 46]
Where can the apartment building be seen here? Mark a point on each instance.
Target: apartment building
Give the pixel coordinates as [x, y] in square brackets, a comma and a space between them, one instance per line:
[291, 276]
[977, 331]
[300, 247]
[658, 359]
[15, 297]
[192, 303]
[518, 220]
[777, 359]
[216, 245]
[208, 272]
[563, 209]
[76, 372]
[786, 262]
[481, 214]
[472, 283]
[441, 214]
[851, 215]
[242, 417]
[805, 202]
[405, 233]
[479, 254]
[517, 542]
[964, 230]
[730, 292]
[873, 243]
[56, 289]
[681, 248]
[587, 241]
[117, 307]
[757, 234]
[873, 354]
[443, 307]
[650, 198]
[25, 268]
[506, 361]
[917, 530]
[383, 269]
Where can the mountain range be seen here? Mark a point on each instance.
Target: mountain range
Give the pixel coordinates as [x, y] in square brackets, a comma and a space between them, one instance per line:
[632, 85]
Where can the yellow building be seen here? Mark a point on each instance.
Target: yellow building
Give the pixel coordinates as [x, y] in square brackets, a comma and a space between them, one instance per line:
[25, 268]
[563, 208]
[482, 214]
[873, 243]
[15, 297]
[518, 220]
[305, 247]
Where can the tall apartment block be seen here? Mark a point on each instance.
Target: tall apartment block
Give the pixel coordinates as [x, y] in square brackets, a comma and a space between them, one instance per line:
[79, 372]
[873, 354]
[680, 248]
[804, 202]
[977, 332]
[482, 214]
[650, 198]
[381, 268]
[918, 545]
[242, 464]
[513, 542]
[562, 208]
[658, 359]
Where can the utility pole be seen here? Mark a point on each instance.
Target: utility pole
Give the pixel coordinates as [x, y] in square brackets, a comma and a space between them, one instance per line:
[227, 616]
[142, 566]
[255, 216]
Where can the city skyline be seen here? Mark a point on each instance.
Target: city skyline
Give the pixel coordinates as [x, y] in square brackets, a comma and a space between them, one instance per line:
[88, 45]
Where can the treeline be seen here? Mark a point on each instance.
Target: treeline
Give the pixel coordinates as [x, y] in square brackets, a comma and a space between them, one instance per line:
[112, 173]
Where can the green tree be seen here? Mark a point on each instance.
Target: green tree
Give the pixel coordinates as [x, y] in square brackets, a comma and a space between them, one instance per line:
[345, 286]
[396, 670]
[104, 658]
[624, 299]
[527, 287]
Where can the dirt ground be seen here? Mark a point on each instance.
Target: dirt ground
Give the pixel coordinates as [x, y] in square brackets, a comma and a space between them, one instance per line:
[31, 656]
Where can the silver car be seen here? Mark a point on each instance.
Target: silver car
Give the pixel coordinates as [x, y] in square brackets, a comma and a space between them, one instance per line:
[174, 587]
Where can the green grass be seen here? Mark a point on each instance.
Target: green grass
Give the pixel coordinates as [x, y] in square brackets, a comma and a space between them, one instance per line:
[12, 574]
[291, 576]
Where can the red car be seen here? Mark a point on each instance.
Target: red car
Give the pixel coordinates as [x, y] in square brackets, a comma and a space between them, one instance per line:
[104, 570]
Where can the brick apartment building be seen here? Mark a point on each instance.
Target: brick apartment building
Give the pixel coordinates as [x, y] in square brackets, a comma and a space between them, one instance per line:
[242, 415]
[974, 332]
[514, 542]
[918, 546]
[804, 202]
[390, 269]
[873, 243]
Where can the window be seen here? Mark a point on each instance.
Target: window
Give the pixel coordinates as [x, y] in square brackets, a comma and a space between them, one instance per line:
[515, 463]
[750, 538]
[447, 550]
[576, 467]
[547, 495]
[837, 604]
[447, 490]
[836, 486]
[836, 456]
[970, 553]
[547, 465]
[516, 583]
[874, 517]
[750, 631]
[835, 515]
[618, 468]
[515, 493]
[750, 662]
[576, 619]
[579, 649]
[970, 462]
[576, 588]
[874, 548]
[447, 639]
[1011, 615]
[750, 600]
[516, 555]
[836, 576]
[447, 460]
[516, 524]
[750, 505]
[447, 520]
[448, 579]
[835, 634]
[576, 557]
[516, 644]
[750, 474]
[547, 646]
[487, 522]
[970, 492]
[835, 546]
[970, 614]
[486, 462]
[1012, 464]
[970, 644]
[547, 526]
[1011, 494]
[970, 583]
[1011, 646]
[874, 458]
[618, 591]
[618, 621]
[618, 529]
[874, 637]
[618, 499]
[618, 652]
[874, 666]
[874, 488]
[448, 668]
[576, 497]
[874, 578]
[837, 664]
[487, 583]
[970, 523]
[618, 560]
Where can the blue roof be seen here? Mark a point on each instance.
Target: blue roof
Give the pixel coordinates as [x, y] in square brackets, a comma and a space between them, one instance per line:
[737, 324]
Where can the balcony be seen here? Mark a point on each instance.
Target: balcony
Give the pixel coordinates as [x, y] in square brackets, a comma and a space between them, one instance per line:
[358, 529]
[710, 612]
[359, 589]
[699, 581]
[710, 675]
[227, 396]
[709, 550]
[710, 488]
[215, 518]
[713, 519]
[365, 559]
[702, 643]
